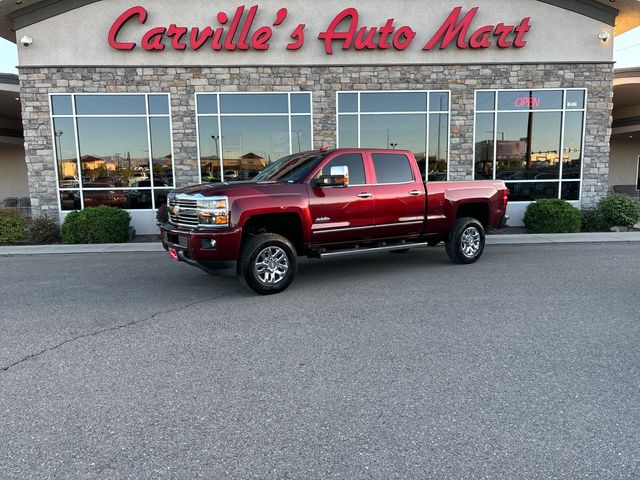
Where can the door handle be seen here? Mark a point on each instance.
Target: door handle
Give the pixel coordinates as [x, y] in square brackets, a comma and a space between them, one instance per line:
[365, 195]
[415, 193]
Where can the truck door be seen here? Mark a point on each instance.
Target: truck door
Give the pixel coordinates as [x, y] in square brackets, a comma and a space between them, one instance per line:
[400, 195]
[343, 214]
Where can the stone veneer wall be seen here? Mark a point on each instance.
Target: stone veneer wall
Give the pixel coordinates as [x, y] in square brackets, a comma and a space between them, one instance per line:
[324, 82]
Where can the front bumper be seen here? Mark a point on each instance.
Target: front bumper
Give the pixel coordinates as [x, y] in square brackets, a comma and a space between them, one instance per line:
[206, 247]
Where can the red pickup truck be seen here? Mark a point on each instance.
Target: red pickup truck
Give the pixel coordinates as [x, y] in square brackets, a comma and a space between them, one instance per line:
[327, 203]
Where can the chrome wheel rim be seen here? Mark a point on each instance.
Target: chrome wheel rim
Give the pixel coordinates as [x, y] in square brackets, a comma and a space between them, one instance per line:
[271, 265]
[471, 241]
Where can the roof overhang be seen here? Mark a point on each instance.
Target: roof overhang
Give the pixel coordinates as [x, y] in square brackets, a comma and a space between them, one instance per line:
[624, 14]
[14, 17]
[626, 76]
[626, 100]
[10, 114]
[9, 83]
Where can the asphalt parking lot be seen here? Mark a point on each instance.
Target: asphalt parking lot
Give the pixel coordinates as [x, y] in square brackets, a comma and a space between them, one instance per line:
[523, 366]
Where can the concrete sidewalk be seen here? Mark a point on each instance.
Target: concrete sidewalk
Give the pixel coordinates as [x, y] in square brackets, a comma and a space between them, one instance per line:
[522, 239]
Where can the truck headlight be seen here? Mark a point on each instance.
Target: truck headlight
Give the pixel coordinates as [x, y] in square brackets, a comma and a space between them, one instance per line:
[213, 212]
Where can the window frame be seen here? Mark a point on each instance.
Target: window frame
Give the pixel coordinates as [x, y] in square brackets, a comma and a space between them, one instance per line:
[74, 116]
[219, 116]
[359, 113]
[563, 111]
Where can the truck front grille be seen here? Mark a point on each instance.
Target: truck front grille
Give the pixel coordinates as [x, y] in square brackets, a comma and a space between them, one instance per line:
[183, 212]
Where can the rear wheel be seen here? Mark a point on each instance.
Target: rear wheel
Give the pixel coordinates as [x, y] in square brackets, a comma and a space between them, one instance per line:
[268, 264]
[466, 242]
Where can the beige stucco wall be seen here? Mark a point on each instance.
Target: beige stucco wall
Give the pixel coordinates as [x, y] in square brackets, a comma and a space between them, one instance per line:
[79, 37]
[13, 173]
[623, 164]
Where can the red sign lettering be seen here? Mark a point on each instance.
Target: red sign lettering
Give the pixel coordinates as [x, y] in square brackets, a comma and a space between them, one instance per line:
[364, 38]
[238, 33]
[241, 27]
[120, 22]
[456, 29]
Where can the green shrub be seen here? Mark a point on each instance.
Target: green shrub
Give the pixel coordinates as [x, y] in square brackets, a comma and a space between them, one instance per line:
[96, 225]
[552, 216]
[13, 227]
[594, 221]
[45, 231]
[620, 210]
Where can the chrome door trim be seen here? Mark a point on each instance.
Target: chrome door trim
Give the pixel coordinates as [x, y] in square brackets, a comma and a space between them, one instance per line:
[336, 230]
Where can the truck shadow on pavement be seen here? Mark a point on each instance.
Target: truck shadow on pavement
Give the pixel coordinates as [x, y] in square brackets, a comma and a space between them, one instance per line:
[365, 265]
[322, 273]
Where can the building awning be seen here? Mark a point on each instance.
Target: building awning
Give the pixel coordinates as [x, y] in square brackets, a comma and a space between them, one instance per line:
[10, 114]
[626, 99]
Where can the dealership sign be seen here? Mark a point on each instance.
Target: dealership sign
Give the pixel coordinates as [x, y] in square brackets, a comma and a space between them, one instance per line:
[241, 32]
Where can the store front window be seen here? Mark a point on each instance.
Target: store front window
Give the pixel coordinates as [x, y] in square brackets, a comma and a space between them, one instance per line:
[113, 150]
[240, 134]
[531, 139]
[417, 121]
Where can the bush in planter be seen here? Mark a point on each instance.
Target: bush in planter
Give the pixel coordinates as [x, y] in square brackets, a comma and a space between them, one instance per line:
[594, 221]
[96, 225]
[552, 216]
[45, 231]
[13, 227]
[620, 210]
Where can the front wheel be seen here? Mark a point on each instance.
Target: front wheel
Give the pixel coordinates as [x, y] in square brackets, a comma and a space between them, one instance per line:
[268, 264]
[466, 242]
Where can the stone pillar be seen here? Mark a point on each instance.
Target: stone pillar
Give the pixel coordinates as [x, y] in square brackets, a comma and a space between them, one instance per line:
[35, 85]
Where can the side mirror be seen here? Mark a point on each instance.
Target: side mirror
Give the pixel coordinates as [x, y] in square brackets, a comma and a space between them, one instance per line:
[339, 178]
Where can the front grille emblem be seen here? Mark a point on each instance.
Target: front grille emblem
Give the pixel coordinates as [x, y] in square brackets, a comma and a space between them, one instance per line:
[176, 210]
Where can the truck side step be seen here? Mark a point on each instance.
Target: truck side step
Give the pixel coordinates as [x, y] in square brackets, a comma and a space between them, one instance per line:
[361, 250]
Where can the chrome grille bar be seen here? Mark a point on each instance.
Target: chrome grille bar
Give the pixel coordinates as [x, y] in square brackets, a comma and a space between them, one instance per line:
[183, 212]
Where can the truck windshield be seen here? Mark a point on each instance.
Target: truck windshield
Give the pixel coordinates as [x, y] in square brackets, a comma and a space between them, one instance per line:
[293, 168]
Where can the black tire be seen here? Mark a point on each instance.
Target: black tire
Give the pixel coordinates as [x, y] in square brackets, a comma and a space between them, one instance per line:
[274, 277]
[466, 242]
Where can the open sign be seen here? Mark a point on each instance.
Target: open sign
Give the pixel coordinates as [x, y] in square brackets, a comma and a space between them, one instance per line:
[528, 102]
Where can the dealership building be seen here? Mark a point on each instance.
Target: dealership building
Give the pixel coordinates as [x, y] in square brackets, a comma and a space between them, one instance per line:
[117, 103]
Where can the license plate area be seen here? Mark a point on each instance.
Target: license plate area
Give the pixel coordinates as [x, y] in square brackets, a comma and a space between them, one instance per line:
[178, 240]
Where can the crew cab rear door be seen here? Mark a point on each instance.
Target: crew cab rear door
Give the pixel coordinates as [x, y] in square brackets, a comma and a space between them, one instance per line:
[343, 214]
[400, 195]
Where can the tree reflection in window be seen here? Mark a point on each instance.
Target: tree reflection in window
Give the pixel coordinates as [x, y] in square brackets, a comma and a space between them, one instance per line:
[241, 134]
[113, 149]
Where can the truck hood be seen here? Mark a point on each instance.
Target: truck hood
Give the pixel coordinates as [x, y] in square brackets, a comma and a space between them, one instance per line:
[237, 189]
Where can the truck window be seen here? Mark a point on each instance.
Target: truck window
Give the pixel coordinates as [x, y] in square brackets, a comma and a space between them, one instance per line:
[392, 168]
[355, 163]
[292, 168]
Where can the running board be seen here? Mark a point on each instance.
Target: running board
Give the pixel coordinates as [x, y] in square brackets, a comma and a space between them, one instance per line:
[360, 251]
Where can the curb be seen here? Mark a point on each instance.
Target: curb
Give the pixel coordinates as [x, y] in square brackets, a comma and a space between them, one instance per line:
[80, 249]
[520, 239]
[561, 238]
